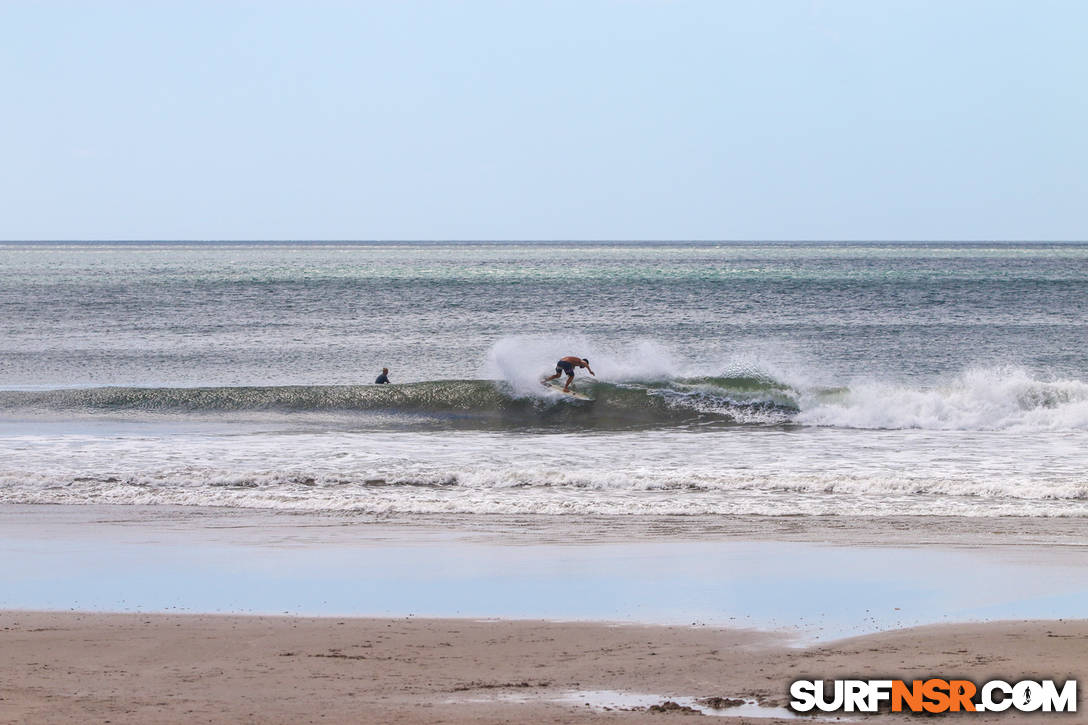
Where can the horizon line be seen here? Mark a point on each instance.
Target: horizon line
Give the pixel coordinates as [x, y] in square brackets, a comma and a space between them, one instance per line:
[541, 241]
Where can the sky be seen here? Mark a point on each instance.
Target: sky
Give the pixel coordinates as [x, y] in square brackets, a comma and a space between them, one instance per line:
[588, 119]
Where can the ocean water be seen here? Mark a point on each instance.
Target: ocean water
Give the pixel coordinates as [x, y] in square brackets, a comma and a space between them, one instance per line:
[773, 379]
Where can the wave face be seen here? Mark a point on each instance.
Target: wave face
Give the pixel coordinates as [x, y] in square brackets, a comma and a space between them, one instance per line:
[981, 400]
[453, 403]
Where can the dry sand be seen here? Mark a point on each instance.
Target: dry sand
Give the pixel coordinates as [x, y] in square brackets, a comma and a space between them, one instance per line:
[139, 668]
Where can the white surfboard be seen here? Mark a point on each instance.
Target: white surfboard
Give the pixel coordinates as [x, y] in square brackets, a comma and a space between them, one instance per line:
[568, 393]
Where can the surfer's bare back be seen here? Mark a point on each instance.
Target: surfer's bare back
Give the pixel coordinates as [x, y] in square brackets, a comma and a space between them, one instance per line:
[567, 365]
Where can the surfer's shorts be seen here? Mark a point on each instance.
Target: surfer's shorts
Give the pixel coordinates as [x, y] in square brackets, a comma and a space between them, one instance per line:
[564, 367]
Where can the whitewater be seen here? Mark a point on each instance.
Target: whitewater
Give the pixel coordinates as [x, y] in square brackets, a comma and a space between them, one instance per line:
[771, 380]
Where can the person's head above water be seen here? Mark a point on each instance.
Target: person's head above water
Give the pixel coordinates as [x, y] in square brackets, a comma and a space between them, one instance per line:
[385, 371]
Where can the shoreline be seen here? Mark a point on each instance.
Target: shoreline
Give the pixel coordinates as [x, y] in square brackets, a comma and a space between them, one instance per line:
[129, 668]
[1067, 533]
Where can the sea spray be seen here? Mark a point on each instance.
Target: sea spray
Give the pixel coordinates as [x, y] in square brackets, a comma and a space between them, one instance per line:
[522, 360]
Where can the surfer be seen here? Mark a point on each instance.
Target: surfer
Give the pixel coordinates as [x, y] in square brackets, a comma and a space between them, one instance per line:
[567, 365]
[383, 379]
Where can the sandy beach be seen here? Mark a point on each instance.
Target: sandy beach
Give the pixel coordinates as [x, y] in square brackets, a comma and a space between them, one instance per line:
[140, 668]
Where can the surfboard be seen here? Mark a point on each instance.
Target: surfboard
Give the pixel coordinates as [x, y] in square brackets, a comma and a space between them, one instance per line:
[567, 393]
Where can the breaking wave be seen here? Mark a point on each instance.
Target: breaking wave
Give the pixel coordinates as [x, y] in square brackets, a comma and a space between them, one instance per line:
[467, 403]
[982, 399]
[985, 399]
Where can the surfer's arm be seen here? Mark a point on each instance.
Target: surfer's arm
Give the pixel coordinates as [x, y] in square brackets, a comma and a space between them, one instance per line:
[590, 370]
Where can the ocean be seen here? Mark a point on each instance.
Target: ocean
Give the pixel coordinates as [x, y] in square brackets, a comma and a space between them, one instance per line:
[775, 379]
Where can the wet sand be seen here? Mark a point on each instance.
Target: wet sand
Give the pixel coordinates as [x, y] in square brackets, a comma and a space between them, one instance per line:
[140, 668]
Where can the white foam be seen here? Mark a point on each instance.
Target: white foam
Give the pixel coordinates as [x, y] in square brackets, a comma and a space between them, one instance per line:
[807, 471]
[981, 399]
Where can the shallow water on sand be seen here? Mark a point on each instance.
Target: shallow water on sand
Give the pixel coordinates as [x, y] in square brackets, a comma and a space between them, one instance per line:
[116, 560]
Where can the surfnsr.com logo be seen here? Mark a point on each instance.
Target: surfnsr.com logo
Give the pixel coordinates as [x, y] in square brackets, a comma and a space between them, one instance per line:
[934, 695]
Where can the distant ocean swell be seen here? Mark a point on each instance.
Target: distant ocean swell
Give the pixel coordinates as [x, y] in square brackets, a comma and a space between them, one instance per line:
[984, 399]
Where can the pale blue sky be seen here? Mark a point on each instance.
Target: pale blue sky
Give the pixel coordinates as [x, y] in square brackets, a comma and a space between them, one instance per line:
[609, 119]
